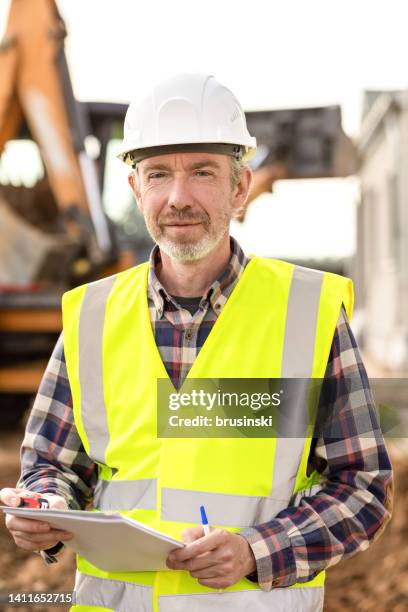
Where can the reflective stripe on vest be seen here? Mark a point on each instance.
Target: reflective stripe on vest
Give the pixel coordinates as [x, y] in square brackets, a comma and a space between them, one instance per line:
[127, 597]
[162, 482]
[181, 505]
[126, 494]
[112, 594]
[278, 600]
[90, 372]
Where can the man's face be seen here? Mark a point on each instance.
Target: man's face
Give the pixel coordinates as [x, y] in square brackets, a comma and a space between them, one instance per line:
[187, 201]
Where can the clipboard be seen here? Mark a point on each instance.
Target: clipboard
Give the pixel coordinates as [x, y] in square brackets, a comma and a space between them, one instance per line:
[111, 542]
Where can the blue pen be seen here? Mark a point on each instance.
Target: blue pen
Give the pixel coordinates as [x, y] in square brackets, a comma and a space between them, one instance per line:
[204, 521]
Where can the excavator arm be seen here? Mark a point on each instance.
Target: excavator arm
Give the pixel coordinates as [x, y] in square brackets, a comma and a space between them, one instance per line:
[262, 182]
[35, 86]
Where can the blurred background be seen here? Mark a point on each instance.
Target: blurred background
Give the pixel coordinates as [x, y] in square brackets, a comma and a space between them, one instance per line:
[325, 88]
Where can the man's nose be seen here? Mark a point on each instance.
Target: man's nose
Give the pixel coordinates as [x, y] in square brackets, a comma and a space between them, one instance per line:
[179, 194]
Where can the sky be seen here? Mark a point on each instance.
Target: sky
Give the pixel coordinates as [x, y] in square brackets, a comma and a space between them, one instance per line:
[273, 55]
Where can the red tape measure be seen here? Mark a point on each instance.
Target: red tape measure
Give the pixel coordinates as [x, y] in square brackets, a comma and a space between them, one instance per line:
[34, 502]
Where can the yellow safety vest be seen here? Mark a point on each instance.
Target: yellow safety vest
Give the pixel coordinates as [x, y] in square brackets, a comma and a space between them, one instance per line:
[278, 322]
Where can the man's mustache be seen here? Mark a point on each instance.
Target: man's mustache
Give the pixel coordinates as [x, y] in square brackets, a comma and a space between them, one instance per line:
[183, 217]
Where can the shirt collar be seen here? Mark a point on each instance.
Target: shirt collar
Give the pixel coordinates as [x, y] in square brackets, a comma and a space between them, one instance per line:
[217, 294]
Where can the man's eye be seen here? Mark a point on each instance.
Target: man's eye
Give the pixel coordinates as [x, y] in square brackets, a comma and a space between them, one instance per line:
[203, 173]
[156, 175]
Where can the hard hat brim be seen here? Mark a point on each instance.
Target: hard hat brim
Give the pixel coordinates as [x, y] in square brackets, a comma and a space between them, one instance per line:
[134, 156]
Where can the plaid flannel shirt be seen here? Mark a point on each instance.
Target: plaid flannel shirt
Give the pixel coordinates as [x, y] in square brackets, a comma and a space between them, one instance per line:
[349, 512]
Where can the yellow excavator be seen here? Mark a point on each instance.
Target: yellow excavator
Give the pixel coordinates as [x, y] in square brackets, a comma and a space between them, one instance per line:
[36, 265]
[35, 89]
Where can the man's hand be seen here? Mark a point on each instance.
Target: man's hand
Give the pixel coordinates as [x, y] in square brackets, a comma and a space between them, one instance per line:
[218, 560]
[29, 534]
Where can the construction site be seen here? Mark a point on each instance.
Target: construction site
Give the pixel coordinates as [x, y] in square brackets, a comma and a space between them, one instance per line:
[56, 234]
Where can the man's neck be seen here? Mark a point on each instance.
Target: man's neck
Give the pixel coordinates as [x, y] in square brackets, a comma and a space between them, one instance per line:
[193, 279]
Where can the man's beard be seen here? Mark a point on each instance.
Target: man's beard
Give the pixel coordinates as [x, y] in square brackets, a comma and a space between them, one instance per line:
[186, 249]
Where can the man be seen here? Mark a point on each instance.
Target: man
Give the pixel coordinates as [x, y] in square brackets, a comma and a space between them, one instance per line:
[284, 508]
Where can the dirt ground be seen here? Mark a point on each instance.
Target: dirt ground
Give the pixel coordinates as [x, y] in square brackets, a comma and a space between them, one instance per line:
[375, 580]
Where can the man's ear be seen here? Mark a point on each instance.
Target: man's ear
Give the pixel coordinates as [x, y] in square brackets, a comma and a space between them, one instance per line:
[134, 185]
[241, 190]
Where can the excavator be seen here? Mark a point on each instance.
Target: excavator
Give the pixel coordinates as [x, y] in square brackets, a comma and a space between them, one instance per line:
[56, 235]
[35, 90]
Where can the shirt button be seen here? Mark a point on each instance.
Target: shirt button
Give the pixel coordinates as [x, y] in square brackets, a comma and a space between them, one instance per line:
[189, 335]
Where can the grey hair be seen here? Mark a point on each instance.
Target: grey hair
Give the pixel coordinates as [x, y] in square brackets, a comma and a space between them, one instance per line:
[135, 172]
[237, 168]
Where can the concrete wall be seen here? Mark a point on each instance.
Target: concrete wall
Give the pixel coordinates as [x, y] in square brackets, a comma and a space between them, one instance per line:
[382, 237]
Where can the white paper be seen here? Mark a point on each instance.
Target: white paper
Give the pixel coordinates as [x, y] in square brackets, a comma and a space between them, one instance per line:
[109, 541]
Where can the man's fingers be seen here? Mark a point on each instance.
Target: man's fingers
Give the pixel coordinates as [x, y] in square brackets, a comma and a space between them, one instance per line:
[216, 583]
[207, 573]
[10, 497]
[53, 536]
[31, 534]
[32, 545]
[211, 562]
[27, 545]
[205, 544]
[197, 563]
[16, 523]
[207, 562]
[189, 535]
[39, 541]
[28, 540]
[192, 533]
[31, 528]
[56, 502]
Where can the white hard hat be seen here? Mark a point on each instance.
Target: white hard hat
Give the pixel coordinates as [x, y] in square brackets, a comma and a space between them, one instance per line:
[189, 112]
